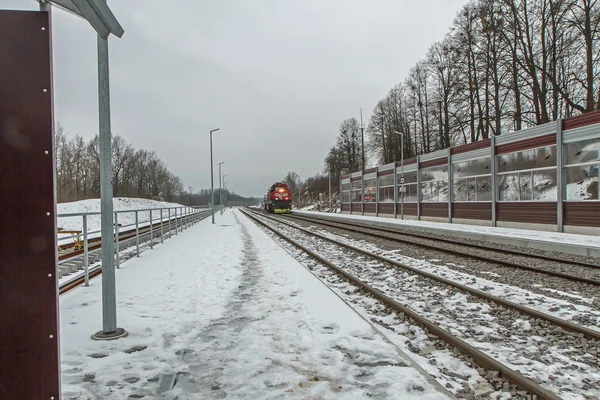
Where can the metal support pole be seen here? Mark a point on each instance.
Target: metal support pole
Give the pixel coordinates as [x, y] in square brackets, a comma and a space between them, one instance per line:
[450, 185]
[395, 192]
[560, 178]
[162, 236]
[362, 192]
[86, 259]
[117, 249]
[402, 175]
[494, 178]
[377, 191]
[151, 232]
[362, 137]
[330, 204]
[169, 222]
[419, 187]
[212, 185]
[220, 189]
[176, 222]
[137, 235]
[109, 296]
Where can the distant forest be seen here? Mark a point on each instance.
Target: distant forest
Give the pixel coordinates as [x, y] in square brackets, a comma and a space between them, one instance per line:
[136, 173]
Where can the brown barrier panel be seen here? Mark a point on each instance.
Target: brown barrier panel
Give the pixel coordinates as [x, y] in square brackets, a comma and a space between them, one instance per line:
[439, 210]
[345, 207]
[370, 208]
[535, 212]
[386, 208]
[409, 209]
[29, 353]
[582, 213]
[472, 210]
[465, 148]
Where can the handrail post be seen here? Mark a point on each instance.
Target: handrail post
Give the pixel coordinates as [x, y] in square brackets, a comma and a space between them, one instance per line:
[169, 222]
[86, 260]
[161, 227]
[176, 227]
[118, 262]
[151, 232]
[137, 234]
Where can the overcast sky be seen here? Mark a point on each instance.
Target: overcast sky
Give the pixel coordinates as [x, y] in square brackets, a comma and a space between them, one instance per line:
[277, 76]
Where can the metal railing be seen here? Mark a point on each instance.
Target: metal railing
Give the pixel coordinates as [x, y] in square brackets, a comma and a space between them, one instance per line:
[80, 243]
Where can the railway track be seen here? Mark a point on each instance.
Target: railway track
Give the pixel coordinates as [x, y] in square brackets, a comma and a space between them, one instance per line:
[409, 237]
[496, 334]
[126, 240]
[585, 277]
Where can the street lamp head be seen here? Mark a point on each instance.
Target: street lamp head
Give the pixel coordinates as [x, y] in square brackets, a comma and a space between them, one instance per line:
[214, 130]
[222, 162]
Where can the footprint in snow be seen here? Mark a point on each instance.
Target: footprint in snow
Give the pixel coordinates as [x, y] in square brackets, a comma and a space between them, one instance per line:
[330, 329]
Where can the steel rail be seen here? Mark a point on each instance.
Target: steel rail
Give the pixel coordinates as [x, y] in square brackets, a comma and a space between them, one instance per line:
[355, 228]
[569, 326]
[452, 241]
[93, 272]
[479, 357]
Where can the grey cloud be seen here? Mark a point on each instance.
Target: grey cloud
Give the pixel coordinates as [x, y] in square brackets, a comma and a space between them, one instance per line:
[277, 76]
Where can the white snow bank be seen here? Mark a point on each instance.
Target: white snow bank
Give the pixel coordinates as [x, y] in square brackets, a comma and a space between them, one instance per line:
[523, 234]
[119, 204]
[233, 314]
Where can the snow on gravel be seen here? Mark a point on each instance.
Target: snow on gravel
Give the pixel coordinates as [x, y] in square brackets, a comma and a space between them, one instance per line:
[549, 305]
[567, 238]
[233, 315]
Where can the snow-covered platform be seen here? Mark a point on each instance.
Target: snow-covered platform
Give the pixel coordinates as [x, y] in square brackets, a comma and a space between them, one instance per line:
[569, 243]
[231, 314]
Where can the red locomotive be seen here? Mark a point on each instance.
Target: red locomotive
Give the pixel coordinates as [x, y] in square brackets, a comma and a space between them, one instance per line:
[278, 199]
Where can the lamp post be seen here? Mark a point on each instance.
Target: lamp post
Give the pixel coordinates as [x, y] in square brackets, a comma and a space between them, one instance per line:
[212, 186]
[362, 140]
[401, 172]
[225, 187]
[221, 188]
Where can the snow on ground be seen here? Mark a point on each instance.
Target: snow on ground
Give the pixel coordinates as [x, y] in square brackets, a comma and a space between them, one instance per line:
[524, 234]
[234, 315]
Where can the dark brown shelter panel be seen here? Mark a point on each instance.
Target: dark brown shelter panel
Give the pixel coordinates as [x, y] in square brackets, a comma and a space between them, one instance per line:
[527, 212]
[29, 352]
[472, 210]
[434, 210]
[582, 213]
[370, 170]
[345, 207]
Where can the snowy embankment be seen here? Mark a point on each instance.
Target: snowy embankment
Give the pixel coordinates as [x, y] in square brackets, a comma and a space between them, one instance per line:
[446, 228]
[231, 314]
[119, 204]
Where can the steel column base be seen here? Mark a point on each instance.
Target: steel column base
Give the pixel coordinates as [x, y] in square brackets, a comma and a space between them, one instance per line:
[118, 334]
